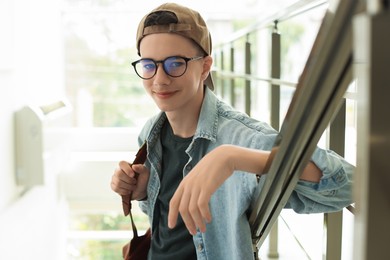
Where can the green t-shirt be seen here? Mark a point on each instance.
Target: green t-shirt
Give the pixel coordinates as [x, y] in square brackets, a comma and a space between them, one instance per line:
[169, 243]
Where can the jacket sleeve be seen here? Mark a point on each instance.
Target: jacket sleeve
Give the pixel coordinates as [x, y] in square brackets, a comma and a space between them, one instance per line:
[332, 193]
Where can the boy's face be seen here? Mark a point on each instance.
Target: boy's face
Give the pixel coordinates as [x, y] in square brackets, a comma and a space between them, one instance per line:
[175, 94]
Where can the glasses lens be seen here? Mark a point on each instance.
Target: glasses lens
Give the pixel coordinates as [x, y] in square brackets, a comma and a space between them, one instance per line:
[175, 66]
[145, 68]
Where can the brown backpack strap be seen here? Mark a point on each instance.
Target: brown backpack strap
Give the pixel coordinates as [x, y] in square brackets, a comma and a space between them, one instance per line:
[140, 158]
[135, 233]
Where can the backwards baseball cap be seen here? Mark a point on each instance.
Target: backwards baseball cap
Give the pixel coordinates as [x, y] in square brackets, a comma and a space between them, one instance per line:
[190, 24]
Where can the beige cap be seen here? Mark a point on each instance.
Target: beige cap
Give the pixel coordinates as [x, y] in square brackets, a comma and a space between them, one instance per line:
[190, 24]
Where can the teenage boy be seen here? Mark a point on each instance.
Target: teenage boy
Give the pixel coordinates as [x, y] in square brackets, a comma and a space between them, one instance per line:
[198, 208]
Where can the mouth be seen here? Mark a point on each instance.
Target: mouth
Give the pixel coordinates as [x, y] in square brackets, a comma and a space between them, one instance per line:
[164, 94]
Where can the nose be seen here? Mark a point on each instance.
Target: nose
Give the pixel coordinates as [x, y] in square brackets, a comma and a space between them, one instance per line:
[161, 77]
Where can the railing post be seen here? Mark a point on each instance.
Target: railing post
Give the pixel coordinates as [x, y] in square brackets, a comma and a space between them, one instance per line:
[248, 72]
[275, 73]
[275, 121]
[232, 86]
[333, 222]
[222, 66]
[333, 226]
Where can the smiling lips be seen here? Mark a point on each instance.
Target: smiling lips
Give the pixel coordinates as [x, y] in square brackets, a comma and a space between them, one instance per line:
[164, 95]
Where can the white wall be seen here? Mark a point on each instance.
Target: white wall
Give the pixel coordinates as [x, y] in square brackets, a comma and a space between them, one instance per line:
[31, 72]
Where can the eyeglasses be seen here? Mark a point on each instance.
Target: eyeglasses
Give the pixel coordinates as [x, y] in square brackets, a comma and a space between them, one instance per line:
[174, 66]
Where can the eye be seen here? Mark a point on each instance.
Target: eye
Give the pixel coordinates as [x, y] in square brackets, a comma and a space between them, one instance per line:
[174, 63]
[148, 65]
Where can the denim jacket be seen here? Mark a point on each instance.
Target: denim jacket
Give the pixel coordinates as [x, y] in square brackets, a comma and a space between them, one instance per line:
[228, 235]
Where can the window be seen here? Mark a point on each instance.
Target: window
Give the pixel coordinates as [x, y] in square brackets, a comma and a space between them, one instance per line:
[98, 47]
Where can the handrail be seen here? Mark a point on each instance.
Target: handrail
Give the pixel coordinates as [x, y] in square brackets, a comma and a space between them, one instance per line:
[293, 10]
[273, 81]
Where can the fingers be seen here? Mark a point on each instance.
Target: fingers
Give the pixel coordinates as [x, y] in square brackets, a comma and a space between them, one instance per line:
[192, 214]
[123, 181]
[193, 208]
[126, 168]
[204, 207]
[173, 211]
[142, 181]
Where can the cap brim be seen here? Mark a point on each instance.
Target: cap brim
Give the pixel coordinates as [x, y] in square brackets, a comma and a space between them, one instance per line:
[209, 82]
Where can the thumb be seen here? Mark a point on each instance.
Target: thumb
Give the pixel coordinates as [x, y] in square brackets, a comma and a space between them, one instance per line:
[142, 181]
[142, 173]
[139, 168]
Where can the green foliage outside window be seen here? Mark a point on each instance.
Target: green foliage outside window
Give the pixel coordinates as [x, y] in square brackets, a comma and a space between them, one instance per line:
[104, 249]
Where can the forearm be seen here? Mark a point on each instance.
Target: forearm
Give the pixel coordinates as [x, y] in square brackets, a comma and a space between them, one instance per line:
[254, 161]
[244, 159]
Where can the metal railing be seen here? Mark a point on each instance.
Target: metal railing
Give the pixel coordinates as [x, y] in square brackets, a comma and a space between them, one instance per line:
[227, 75]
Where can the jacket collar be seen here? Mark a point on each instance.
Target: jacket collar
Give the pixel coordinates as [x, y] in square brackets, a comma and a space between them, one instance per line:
[208, 118]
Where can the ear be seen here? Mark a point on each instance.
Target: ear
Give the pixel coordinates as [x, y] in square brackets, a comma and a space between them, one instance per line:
[207, 63]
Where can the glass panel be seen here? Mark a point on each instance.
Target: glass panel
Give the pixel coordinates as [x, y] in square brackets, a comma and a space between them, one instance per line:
[101, 235]
[99, 79]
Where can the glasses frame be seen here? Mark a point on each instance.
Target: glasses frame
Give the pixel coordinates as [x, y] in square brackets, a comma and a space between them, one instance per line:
[156, 62]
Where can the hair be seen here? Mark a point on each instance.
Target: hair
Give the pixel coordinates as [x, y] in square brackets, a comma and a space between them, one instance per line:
[165, 18]
[160, 18]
